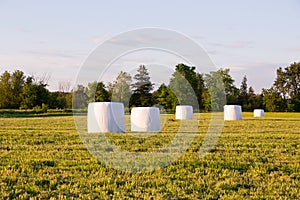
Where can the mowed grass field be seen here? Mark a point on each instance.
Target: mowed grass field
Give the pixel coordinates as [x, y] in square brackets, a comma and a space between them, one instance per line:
[256, 158]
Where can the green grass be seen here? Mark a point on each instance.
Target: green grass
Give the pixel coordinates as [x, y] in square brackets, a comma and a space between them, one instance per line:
[256, 158]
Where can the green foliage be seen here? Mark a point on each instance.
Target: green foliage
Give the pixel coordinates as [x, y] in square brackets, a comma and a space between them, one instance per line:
[80, 97]
[11, 86]
[19, 91]
[142, 89]
[120, 90]
[17, 83]
[247, 98]
[273, 101]
[284, 95]
[243, 97]
[166, 98]
[143, 84]
[39, 109]
[293, 104]
[57, 100]
[254, 101]
[215, 94]
[206, 100]
[34, 94]
[101, 94]
[96, 92]
[287, 84]
[187, 85]
[230, 90]
[68, 97]
[6, 95]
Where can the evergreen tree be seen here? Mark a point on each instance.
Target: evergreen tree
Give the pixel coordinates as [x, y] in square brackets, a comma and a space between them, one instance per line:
[101, 94]
[243, 98]
[142, 89]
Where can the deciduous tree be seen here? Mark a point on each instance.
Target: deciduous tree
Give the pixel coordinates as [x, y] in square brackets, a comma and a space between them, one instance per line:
[120, 89]
[187, 85]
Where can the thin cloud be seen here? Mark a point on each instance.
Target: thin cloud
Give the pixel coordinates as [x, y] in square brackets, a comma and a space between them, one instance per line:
[198, 37]
[213, 52]
[237, 68]
[293, 49]
[241, 44]
[55, 53]
[99, 39]
[234, 45]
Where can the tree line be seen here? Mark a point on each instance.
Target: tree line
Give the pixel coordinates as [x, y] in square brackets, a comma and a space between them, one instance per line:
[205, 92]
[27, 92]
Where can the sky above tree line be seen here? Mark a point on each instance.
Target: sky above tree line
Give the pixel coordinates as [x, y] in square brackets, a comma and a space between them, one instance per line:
[251, 38]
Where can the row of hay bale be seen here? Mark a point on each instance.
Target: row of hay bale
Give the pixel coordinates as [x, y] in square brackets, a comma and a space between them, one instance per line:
[234, 112]
[109, 116]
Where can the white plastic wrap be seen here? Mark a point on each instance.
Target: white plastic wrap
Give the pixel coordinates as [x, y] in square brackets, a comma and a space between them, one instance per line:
[232, 112]
[184, 112]
[258, 113]
[106, 117]
[145, 119]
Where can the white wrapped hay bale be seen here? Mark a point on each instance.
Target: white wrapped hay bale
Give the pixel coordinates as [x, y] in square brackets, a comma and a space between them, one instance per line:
[106, 117]
[258, 113]
[184, 112]
[232, 112]
[145, 119]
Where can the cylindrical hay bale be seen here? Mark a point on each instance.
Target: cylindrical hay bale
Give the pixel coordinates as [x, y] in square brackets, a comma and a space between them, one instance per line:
[232, 112]
[184, 112]
[145, 119]
[258, 113]
[106, 117]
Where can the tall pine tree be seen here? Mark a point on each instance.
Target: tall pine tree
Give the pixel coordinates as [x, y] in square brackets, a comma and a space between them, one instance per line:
[142, 88]
[243, 94]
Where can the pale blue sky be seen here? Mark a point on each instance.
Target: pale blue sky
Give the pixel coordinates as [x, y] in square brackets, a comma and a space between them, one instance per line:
[251, 38]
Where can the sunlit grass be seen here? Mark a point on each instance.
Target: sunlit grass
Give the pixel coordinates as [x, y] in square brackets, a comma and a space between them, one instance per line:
[256, 158]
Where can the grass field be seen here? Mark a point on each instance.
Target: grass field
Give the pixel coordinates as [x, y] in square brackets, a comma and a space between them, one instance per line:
[256, 158]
